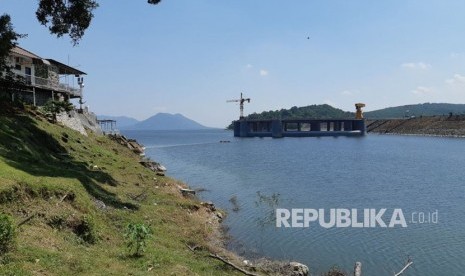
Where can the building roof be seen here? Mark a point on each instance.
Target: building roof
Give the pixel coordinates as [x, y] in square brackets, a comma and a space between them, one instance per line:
[24, 52]
[63, 69]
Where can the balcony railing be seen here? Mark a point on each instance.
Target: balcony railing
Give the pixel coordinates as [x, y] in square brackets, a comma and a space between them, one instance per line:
[49, 84]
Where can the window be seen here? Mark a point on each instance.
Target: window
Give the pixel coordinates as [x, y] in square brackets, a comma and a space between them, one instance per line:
[18, 67]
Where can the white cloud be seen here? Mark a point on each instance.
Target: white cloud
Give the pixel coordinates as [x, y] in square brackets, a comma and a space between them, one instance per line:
[331, 103]
[263, 72]
[349, 92]
[421, 91]
[416, 65]
[457, 55]
[456, 79]
[248, 66]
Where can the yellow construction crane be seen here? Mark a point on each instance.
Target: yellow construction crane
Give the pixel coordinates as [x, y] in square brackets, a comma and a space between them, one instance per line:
[241, 102]
[359, 112]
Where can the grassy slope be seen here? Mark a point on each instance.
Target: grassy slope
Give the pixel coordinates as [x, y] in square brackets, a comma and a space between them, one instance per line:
[40, 163]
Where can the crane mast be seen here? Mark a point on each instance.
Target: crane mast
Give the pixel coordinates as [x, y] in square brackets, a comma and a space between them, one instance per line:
[241, 102]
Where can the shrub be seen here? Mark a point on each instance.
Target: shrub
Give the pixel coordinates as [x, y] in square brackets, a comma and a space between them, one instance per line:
[7, 233]
[55, 107]
[86, 230]
[136, 236]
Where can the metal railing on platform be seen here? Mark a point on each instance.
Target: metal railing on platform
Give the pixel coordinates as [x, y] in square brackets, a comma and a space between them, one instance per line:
[49, 84]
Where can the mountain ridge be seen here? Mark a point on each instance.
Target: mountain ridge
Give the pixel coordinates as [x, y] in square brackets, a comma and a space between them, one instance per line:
[423, 109]
[160, 121]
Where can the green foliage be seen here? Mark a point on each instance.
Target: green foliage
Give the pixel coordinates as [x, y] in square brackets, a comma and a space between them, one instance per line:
[71, 17]
[7, 233]
[8, 38]
[136, 236]
[55, 107]
[9, 84]
[322, 111]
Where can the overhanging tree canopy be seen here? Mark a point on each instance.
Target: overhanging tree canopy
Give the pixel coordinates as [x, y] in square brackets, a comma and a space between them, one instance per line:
[62, 17]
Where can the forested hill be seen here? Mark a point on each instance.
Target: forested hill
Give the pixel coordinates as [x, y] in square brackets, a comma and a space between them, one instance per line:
[426, 109]
[325, 111]
[322, 111]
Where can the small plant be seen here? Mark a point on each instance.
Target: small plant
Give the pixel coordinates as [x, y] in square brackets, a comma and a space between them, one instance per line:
[136, 236]
[7, 233]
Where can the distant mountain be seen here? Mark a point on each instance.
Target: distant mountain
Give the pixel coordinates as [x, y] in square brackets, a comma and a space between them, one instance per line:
[426, 109]
[166, 121]
[121, 121]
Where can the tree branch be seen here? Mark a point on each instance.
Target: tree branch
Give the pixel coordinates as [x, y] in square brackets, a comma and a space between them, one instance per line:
[409, 263]
[216, 256]
[26, 220]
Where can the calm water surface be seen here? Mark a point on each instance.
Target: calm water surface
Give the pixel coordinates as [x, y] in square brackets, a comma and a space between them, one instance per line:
[416, 174]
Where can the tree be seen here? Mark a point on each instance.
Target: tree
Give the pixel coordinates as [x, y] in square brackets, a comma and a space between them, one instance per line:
[55, 107]
[70, 17]
[8, 39]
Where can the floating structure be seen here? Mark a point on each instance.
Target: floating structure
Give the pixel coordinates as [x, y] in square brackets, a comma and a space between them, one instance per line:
[299, 128]
[278, 128]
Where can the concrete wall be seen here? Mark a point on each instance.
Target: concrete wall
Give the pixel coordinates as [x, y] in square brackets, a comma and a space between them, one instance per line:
[293, 128]
[80, 122]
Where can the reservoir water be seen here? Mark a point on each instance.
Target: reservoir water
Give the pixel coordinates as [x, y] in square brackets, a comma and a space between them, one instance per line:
[251, 177]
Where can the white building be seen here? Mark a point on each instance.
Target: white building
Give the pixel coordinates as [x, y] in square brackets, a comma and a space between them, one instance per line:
[45, 78]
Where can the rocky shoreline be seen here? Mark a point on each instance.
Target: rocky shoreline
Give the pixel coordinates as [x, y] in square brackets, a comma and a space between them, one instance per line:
[214, 217]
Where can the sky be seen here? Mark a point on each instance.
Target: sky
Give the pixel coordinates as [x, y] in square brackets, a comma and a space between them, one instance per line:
[191, 56]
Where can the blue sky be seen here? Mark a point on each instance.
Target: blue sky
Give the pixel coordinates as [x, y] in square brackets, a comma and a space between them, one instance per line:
[189, 57]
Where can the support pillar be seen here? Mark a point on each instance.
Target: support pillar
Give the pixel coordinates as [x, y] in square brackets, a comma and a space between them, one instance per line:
[276, 129]
[243, 129]
[315, 126]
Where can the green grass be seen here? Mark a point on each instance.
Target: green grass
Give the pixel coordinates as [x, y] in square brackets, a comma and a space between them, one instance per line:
[46, 172]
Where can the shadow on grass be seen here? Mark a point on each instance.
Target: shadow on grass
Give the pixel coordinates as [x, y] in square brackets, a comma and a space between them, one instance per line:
[28, 148]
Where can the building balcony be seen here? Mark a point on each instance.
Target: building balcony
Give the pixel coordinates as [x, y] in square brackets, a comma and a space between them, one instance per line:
[49, 84]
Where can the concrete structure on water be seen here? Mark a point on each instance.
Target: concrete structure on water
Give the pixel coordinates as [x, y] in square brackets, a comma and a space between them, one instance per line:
[299, 128]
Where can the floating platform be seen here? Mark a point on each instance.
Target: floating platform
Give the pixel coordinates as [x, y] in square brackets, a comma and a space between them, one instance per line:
[299, 128]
